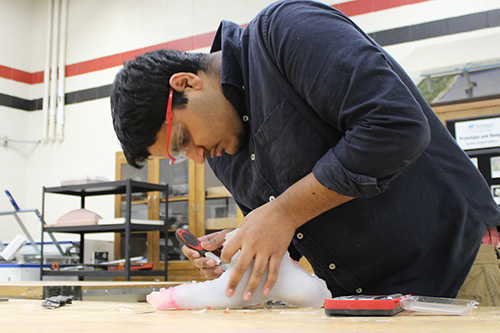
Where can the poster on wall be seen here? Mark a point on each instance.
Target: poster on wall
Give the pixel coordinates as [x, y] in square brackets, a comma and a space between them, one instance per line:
[479, 137]
[495, 166]
[495, 190]
[478, 133]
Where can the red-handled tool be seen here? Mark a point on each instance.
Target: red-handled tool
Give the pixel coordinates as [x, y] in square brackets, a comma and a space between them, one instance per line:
[187, 238]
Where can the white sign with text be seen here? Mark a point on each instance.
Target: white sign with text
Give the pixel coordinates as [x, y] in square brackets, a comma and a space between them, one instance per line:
[477, 134]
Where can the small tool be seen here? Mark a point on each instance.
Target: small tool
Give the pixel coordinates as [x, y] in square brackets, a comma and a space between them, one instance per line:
[187, 238]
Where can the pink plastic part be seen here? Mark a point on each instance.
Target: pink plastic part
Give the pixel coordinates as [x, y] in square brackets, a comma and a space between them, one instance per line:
[163, 299]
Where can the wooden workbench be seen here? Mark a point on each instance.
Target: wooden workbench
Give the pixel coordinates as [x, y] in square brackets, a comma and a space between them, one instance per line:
[131, 291]
[18, 315]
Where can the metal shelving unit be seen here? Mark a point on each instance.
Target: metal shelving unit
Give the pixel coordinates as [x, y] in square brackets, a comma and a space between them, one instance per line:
[127, 187]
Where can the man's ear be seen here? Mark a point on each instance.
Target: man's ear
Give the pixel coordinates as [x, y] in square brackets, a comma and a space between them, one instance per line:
[184, 80]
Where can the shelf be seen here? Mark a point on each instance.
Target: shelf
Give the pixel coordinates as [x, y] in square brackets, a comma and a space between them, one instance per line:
[127, 187]
[116, 187]
[104, 273]
[105, 228]
[173, 199]
[217, 196]
[140, 202]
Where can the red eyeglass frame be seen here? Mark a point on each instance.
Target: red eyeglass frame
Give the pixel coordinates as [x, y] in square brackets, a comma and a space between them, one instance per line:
[168, 117]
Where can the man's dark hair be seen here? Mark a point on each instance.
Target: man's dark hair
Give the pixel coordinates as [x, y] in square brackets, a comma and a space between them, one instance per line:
[139, 97]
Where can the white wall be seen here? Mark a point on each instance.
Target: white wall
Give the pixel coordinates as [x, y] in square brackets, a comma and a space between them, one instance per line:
[13, 157]
[16, 26]
[99, 28]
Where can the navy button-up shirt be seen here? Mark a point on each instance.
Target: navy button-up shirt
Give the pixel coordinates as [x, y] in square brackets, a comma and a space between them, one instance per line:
[316, 94]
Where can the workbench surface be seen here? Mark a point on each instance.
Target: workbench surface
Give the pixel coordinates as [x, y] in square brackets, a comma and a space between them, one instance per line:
[87, 289]
[18, 315]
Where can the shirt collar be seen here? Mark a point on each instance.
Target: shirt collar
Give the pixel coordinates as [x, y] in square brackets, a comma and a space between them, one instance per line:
[227, 40]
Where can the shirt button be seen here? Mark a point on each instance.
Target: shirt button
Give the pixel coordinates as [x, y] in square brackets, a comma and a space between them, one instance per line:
[245, 118]
[300, 235]
[332, 266]
[271, 198]
[252, 157]
[359, 290]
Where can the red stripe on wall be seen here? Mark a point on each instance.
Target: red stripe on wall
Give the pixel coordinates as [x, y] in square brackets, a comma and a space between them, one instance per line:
[358, 7]
[16, 74]
[351, 8]
[185, 44]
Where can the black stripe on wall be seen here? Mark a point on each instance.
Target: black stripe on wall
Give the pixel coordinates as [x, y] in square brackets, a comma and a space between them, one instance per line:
[410, 33]
[20, 103]
[438, 28]
[69, 98]
[88, 94]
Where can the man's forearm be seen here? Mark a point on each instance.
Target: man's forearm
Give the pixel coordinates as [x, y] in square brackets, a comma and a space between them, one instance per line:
[307, 199]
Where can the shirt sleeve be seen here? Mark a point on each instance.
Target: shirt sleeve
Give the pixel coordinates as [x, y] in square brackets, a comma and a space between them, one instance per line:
[348, 81]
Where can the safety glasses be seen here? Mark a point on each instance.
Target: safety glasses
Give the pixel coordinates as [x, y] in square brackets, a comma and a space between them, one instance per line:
[178, 138]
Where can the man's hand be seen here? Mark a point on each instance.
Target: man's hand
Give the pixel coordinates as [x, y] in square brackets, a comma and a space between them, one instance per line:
[267, 231]
[264, 237]
[211, 242]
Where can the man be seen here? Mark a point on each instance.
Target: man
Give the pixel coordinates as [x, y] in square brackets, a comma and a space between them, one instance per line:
[327, 147]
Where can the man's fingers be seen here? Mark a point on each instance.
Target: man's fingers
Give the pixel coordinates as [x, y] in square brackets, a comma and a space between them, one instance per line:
[214, 241]
[258, 270]
[272, 275]
[211, 273]
[206, 263]
[208, 267]
[190, 253]
[239, 270]
[197, 260]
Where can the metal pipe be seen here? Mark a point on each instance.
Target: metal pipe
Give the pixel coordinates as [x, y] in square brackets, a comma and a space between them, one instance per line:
[62, 71]
[46, 74]
[5, 140]
[53, 71]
